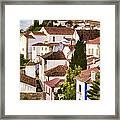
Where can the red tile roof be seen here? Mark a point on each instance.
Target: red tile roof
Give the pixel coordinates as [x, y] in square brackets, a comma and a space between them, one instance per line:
[54, 82]
[90, 60]
[59, 30]
[38, 33]
[26, 34]
[88, 34]
[94, 41]
[45, 44]
[59, 55]
[51, 44]
[85, 75]
[60, 70]
[28, 80]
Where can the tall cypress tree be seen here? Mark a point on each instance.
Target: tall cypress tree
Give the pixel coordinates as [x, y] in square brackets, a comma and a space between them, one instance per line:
[79, 56]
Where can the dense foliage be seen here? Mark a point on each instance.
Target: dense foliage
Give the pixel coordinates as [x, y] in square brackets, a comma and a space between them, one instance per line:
[94, 92]
[22, 60]
[79, 56]
[67, 90]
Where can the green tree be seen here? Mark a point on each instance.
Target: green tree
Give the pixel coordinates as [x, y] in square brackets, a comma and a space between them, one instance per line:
[22, 60]
[35, 27]
[79, 56]
[94, 92]
[36, 23]
[67, 90]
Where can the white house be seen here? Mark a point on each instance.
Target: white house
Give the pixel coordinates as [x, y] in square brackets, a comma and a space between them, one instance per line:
[28, 39]
[83, 82]
[93, 47]
[51, 87]
[92, 61]
[39, 49]
[60, 22]
[57, 34]
[39, 36]
[32, 68]
[27, 84]
[54, 59]
[26, 42]
[58, 71]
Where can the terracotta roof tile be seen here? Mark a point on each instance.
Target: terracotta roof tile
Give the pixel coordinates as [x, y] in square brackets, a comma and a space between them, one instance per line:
[60, 70]
[90, 60]
[85, 75]
[38, 33]
[59, 55]
[54, 82]
[88, 34]
[45, 44]
[28, 80]
[94, 41]
[59, 30]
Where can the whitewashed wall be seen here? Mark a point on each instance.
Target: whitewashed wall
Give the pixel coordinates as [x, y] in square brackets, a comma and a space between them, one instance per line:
[48, 90]
[39, 50]
[61, 77]
[23, 46]
[93, 65]
[76, 36]
[58, 38]
[27, 88]
[78, 95]
[94, 47]
[54, 63]
[30, 71]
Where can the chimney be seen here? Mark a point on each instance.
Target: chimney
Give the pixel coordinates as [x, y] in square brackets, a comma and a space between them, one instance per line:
[92, 75]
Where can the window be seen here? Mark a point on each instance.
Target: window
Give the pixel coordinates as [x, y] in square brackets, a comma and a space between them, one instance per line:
[92, 50]
[46, 88]
[97, 52]
[53, 38]
[42, 48]
[88, 51]
[33, 48]
[79, 88]
[45, 48]
[22, 49]
[49, 90]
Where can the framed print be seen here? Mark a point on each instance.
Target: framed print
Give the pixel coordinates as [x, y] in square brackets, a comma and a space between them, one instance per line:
[60, 60]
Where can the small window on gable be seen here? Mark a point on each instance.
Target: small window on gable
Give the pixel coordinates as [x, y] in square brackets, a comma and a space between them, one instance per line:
[79, 88]
[88, 51]
[53, 38]
[33, 48]
[49, 90]
[92, 50]
[46, 48]
[97, 52]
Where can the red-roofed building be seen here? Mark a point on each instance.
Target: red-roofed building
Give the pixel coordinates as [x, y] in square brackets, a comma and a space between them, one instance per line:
[27, 83]
[27, 39]
[93, 47]
[56, 34]
[50, 87]
[57, 71]
[83, 82]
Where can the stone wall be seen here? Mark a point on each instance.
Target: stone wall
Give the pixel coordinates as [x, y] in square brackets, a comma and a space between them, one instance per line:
[32, 96]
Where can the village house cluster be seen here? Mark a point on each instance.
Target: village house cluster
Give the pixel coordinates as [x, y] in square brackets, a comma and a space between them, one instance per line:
[49, 52]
